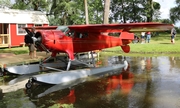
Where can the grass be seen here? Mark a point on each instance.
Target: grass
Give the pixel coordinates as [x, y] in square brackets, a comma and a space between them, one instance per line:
[159, 45]
[163, 46]
[15, 50]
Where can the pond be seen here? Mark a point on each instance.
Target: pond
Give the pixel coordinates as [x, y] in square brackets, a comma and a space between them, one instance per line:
[148, 82]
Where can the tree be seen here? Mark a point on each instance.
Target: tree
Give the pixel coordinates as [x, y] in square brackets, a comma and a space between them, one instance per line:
[157, 13]
[96, 10]
[37, 5]
[106, 11]
[151, 10]
[126, 11]
[175, 12]
[5, 4]
[67, 12]
[86, 11]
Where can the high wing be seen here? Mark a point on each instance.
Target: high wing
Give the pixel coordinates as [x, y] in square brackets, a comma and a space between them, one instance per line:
[42, 27]
[129, 27]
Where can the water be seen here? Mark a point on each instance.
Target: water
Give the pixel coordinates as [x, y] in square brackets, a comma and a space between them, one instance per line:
[148, 82]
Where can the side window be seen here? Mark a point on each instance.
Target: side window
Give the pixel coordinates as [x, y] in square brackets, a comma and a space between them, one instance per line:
[70, 34]
[20, 30]
[81, 35]
[36, 25]
[78, 35]
[115, 34]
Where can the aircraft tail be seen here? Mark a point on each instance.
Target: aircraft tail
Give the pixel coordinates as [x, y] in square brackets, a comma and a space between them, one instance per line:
[126, 38]
[126, 48]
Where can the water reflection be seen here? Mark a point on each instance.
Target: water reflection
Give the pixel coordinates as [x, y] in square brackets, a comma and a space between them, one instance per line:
[103, 87]
[148, 82]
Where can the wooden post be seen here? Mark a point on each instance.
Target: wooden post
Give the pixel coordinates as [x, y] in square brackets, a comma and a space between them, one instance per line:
[106, 11]
[86, 11]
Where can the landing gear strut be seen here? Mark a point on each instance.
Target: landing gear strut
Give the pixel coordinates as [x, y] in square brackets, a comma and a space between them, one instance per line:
[30, 82]
[2, 71]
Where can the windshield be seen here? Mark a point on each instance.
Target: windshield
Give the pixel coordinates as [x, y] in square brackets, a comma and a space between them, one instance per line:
[63, 28]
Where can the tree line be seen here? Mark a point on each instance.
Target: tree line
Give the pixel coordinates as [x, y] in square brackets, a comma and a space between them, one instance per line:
[69, 12]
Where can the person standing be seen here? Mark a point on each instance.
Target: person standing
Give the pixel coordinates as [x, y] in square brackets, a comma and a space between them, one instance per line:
[148, 37]
[173, 35]
[32, 48]
[142, 37]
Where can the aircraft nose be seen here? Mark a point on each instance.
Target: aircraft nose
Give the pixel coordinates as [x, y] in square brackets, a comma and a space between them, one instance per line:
[38, 38]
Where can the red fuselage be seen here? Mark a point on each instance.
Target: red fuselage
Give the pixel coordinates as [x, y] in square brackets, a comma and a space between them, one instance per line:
[57, 41]
[83, 38]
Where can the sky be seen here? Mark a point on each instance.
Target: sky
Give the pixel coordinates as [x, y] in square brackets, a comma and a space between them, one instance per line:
[166, 5]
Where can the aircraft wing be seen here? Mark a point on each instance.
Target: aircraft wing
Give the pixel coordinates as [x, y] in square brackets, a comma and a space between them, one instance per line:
[42, 27]
[129, 27]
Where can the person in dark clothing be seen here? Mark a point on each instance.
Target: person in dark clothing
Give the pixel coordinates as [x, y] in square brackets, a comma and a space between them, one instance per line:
[173, 35]
[31, 43]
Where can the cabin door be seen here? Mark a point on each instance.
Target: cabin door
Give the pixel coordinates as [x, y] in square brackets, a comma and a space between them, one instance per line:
[4, 34]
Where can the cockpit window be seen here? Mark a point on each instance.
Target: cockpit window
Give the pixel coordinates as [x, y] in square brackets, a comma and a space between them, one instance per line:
[63, 28]
[66, 30]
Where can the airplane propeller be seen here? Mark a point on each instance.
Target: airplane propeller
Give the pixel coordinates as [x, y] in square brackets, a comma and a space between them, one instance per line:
[28, 37]
[34, 38]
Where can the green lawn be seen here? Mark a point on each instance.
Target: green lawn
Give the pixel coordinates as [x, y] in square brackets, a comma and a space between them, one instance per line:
[164, 46]
[15, 50]
[155, 46]
[158, 45]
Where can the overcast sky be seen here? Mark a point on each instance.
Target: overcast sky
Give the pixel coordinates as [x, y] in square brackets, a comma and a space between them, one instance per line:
[165, 7]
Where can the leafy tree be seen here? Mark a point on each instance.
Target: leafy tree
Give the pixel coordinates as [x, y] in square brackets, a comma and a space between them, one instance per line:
[5, 4]
[96, 9]
[68, 12]
[167, 21]
[127, 10]
[20, 5]
[151, 9]
[156, 13]
[134, 10]
[65, 11]
[37, 5]
[175, 12]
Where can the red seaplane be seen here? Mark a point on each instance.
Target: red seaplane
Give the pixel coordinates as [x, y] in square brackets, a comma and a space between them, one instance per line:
[84, 38]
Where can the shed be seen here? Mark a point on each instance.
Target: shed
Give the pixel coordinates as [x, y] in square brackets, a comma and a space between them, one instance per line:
[12, 22]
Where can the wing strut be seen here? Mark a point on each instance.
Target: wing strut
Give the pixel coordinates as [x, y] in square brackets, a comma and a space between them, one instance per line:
[43, 47]
[93, 62]
[93, 59]
[68, 66]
